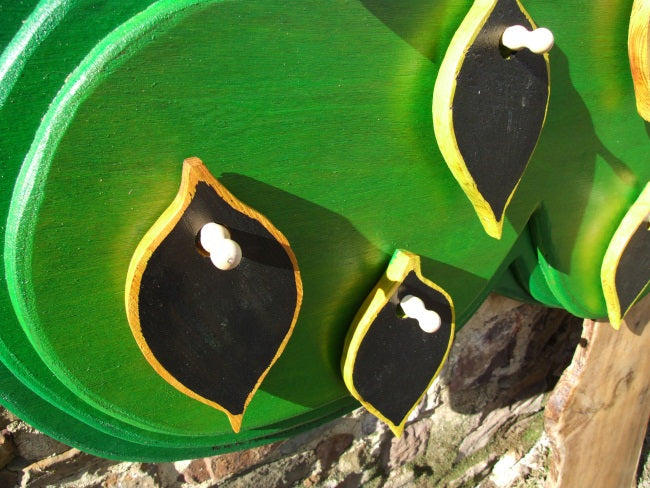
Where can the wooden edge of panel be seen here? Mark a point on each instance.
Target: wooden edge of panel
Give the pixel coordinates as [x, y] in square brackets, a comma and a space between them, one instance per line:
[638, 45]
[443, 96]
[401, 263]
[598, 412]
[636, 214]
[194, 171]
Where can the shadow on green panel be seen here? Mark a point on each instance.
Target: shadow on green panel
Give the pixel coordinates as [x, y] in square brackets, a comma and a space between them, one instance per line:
[338, 267]
[467, 290]
[562, 170]
[427, 25]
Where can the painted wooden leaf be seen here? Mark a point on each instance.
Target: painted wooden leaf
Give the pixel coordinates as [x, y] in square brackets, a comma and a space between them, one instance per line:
[489, 108]
[389, 361]
[625, 273]
[639, 52]
[212, 334]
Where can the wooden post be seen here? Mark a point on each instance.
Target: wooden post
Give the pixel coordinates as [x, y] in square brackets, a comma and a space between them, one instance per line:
[597, 415]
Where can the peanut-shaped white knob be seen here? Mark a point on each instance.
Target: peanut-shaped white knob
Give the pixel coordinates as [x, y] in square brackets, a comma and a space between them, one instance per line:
[224, 253]
[517, 37]
[414, 308]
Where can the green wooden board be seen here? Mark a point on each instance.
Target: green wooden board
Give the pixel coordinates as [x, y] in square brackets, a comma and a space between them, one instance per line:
[98, 428]
[139, 383]
[67, 429]
[317, 115]
[15, 350]
[42, 415]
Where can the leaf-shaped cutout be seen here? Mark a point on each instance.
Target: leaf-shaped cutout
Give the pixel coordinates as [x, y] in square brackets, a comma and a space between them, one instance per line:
[389, 361]
[625, 273]
[489, 107]
[212, 334]
[638, 46]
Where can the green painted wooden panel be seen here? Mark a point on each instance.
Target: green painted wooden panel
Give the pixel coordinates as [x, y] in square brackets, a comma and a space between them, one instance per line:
[22, 108]
[317, 114]
[67, 429]
[196, 420]
[31, 93]
[22, 111]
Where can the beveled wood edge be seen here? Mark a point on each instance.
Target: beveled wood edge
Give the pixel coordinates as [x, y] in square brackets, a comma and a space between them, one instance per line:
[638, 45]
[634, 218]
[401, 264]
[443, 96]
[194, 171]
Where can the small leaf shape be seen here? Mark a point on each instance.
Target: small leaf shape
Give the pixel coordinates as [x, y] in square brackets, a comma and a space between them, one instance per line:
[625, 273]
[213, 334]
[489, 107]
[391, 359]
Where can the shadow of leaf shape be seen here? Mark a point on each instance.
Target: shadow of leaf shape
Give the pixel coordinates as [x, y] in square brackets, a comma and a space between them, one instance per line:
[427, 25]
[565, 161]
[338, 267]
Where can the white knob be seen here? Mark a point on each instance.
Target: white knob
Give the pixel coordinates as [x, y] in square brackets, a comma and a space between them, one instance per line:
[517, 37]
[414, 308]
[224, 253]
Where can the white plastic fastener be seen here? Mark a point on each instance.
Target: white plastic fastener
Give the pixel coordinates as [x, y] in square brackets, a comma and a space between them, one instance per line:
[414, 308]
[517, 37]
[224, 253]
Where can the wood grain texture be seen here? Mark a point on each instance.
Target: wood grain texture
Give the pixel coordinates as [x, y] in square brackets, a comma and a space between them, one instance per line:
[61, 412]
[388, 362]
[212, 334]
[589, 104]
[41, 21]
[639, 53]
[489, 108]
[350, 277]
[598, 413]
[77, 35]
[316, 135]
[626, 268]
[66, 428]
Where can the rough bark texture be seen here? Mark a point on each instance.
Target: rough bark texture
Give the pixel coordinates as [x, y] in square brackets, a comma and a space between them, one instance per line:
[481, 424]
[596, 414]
